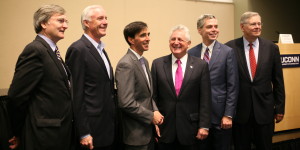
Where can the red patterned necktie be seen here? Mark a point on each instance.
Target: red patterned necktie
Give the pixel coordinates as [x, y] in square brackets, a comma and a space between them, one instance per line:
[206, 55]
[178, 77]
[252, 61]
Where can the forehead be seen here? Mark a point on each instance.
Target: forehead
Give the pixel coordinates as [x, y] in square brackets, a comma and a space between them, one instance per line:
[178, 33]
[210, 21]
[57, 15]
[144, 30]
[97, 12]
[254, 19]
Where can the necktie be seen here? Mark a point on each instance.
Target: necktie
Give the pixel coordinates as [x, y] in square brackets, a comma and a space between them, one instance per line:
[104, 60]
[57, 53]
[178, 77]
[252, 61]
[62, 63]
[142, 61]
[206, 55]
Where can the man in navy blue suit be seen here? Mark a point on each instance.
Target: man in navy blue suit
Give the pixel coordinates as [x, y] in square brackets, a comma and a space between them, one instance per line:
[224, 82]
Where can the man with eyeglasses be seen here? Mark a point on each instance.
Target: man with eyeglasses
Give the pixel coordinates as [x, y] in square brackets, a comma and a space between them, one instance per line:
[41, 91]
[261, 98]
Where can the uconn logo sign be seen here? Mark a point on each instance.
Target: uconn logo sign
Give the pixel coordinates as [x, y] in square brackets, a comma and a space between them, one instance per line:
[291, 60]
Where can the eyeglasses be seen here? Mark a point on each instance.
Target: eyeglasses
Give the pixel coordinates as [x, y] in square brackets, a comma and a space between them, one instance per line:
[254, 24]
[62, 20]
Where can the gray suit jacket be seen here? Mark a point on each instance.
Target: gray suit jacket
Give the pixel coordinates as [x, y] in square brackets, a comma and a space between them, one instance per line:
[224, 80]
[135, 100]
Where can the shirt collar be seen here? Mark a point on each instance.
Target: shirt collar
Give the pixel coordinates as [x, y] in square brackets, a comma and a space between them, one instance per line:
[182, 59]
[246, 43]
[49, 41]
[102, 45]
[211, 46]
[136, 54]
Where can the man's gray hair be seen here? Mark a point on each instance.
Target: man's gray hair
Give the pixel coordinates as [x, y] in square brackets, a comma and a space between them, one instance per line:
[87, 13]
[44, 13]
[201, 20]
[181, 28]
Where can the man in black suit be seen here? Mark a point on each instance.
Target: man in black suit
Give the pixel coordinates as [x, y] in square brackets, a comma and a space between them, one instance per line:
[40, 93]
[224, 82]
[94, 95]
[181, 87]
[261, 97]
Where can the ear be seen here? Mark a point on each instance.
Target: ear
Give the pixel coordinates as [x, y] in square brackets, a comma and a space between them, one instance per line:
[189, 43]
[86, 23]
[199, 31]
[242, 26]
[44, 26]
[131, 40]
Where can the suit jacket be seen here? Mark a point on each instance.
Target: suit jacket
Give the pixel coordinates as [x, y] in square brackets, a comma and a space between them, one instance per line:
[41, 99]
[265, 96]
[135, 100]
[191, 109]
[94, 102]
[224, 80]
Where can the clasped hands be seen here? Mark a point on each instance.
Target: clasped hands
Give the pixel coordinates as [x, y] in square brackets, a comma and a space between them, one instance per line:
[158, 118]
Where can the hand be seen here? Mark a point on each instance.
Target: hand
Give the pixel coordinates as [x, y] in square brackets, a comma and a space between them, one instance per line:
[202, 134]
[157, 133]
[14, 142]
[226, 122]
[278, 117]
[87, 142]
[158, 119]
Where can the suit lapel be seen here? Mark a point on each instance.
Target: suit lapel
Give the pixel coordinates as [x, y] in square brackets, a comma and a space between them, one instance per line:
[261, 53]
[59, 64]
[140, 68]
[95, 54]
[111, 69]
[215, 54]
[188, 72]
[168, 72]
[242, 57]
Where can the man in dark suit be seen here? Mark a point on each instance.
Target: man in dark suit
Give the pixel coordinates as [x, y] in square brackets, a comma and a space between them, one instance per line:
[182, 92]
[94, 102]
[224, 82]
[40, 94]
[135, 89]
[261, 88]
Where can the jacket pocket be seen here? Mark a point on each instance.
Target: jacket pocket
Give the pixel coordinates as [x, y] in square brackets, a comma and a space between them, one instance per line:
[48, 122]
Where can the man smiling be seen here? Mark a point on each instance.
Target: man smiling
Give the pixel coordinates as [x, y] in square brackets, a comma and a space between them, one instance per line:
[135, 89]
[40, 93]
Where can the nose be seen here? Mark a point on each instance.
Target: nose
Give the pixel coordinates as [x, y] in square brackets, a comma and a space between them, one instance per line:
[148, 37]
[65, 25]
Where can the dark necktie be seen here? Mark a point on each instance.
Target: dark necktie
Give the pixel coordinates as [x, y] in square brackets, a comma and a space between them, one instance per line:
[252, 61]
[57, 52]
[178, 77]
[206, 55]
